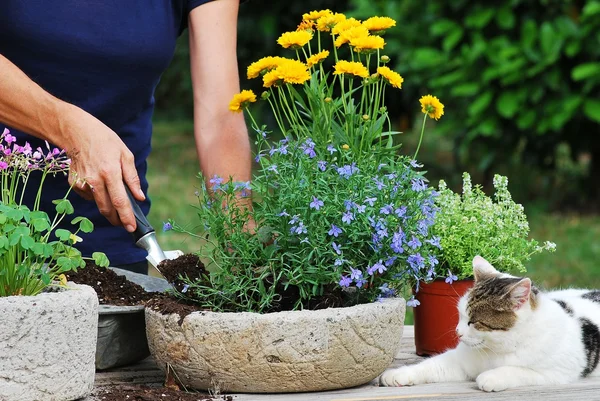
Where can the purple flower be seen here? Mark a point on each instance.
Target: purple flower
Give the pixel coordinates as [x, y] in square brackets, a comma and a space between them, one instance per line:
[380, 185]
[415, 164]
[360, 208]
[3, 165]
[451, 278]
[418, 185]
[338, 262]
[316, 203]
[336, 248]
[216, 180]
[428, 211]
[335, 230]
[370, 201]
[412, 302]
[377, 267]
[423, 227]
[9, 138]
[433, 261]
[416, 261]
[242, 185]
[401, 211]
[348, 170]
[185, 288]
[435, 241]
[322, 165]
[355, 274]
[397, 240]
[167, 226]
[348, 204]
[390, 261]
[387, 209]
[309, 148]
[283, 149]
[284, 213]
[414, 243]
[386, 291]
[382, 165]
[273, 168]
[345, 281]
[331, 149]
[348, 217]
[360, 282]
[258, 157]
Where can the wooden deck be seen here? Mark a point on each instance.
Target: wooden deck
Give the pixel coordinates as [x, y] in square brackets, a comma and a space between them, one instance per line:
[586, 389]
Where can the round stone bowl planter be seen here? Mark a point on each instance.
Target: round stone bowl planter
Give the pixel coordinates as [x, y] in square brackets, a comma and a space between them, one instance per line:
[278, 352]
[47, 345]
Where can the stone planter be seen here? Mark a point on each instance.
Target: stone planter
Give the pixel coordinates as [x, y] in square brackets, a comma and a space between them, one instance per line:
[47, 345]
[278, 352]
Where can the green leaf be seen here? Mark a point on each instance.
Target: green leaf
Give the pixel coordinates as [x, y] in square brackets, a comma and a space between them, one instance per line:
[65, 263]
[584, 71]
[100, 259]
[508, 104]
[40, 224]
[3, 218]
[550, 41]
[479, 18]
[481, 103]
[27, 242]
[441, 26]
[526, 119]
[591, 9]
[466, 89]
[529, 33]
[591, 108]
[63, 206]
[505, 18]
[3, 241]
[14, 214]
[84, 224]
[14, 239]
[63, 234]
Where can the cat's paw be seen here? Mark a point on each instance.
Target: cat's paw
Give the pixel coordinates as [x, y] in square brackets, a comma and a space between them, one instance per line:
[491, 381]
[403, 376]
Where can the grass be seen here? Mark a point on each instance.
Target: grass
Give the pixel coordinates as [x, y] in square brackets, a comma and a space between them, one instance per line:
[173, 169]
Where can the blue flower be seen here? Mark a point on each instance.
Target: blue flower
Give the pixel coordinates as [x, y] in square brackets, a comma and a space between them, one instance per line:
[316, 203]
[348, 217]
[433, 261]
[300, 229]
[348, 204]
[335, 230]
[331, 149]
[377, 267]
[370, 201]
[283, 213]
[414, 163]
[309, 148]
[401, 211]
[416, 261]
[412, 302]
[273, 167]
[258, 157]
[380, 185]
[428, 211]
[244, 185]
[216, 180]
[387, 209]
[435, 241]
[451, 278]
[336, 248]
[423, 227]
[272, 151]
[294, 219]
[348, 170]
[262, 133]
[355, 274]
[414, 243]
[185, 288]
[360, 282]
[386, 291]
[390, 261]
[382, 165]
[305, 241]
[338, 262]
[360, 208]
[167, 226]
[418, 185]
[390, 176]
[322, 164]
[345, 281]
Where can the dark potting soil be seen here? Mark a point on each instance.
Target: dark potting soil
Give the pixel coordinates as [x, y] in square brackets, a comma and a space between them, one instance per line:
[111, 288]
[147, 393]
[188, 265]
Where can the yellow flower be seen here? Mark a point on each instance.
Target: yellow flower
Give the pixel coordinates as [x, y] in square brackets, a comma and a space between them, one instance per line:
[345, 25]
[367, 43]
[432, 106]
[242, 100]
[289, 72]
[327, 22]
[392, 77]
[62, 279]
[315, 15]
[263, 65]
[306, 26]
[379, 24]
[295, 39]
[317, 58]
[345, 146]
[351, 33]
[351, 68]
[75, 238]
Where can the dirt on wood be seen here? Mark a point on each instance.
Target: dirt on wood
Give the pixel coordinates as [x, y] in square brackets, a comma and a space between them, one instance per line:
[148, 393]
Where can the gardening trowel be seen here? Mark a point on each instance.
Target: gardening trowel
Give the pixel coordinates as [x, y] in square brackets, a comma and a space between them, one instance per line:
[145, 236]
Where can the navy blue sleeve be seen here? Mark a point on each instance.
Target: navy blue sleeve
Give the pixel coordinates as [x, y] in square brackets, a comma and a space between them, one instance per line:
[191, 4]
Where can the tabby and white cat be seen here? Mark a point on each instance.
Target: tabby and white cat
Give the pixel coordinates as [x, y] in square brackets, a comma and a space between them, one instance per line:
[511, 334]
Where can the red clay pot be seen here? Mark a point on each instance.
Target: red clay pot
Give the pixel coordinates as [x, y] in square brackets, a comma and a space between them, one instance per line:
[437, 316]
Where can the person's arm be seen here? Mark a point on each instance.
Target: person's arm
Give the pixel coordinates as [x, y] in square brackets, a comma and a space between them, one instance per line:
[97, 154]
[221, 135]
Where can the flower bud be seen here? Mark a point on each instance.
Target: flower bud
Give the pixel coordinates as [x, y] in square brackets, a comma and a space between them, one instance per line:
[345, 146]
[265, 95]
[328, 100]
[366, 117]
[384, 59]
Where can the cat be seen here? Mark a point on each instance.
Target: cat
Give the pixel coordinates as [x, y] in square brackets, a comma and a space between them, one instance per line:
[511, 335]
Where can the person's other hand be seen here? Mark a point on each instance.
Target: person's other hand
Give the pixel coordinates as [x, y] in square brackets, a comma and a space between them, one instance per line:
[100, 164]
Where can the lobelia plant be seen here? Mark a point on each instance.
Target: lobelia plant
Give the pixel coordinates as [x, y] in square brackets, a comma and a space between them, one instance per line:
[473, 223]
[341, 218]
[34, 252]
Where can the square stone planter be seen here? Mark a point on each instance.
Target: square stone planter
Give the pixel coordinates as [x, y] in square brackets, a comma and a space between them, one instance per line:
[47, 345]
[278, 352]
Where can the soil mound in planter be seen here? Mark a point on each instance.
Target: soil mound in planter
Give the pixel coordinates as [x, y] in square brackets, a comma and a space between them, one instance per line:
[147, 393]
[188, 265]
[112, 289]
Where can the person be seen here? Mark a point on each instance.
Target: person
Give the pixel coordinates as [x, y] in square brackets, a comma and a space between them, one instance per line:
[82, 74]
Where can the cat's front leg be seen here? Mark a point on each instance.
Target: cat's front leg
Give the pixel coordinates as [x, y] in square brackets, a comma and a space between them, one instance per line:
[505, 377]
[440, 368]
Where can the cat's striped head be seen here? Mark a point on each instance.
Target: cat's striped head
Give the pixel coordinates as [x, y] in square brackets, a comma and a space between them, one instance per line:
[494, 306]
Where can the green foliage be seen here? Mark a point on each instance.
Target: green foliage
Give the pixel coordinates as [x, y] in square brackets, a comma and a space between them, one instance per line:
[518, 78]
[474, 224]
[30, 257]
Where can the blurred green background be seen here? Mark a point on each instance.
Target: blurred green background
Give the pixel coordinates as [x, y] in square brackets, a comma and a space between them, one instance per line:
[520, 81]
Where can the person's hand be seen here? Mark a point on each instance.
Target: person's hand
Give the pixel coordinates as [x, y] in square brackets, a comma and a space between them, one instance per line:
[100, 164]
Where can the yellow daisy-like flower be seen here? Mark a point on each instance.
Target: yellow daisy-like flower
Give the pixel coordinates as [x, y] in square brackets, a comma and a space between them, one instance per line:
[295, 39]
[379, 24]
[345, 25]
[350, 68]
[351, 33]
[392, 77]
[242, 100]
[328, 22]
[315, 15]
[306, 26]
[432, 106]
[317, 58]
[263, 65]
[367, 43]
[289, 72]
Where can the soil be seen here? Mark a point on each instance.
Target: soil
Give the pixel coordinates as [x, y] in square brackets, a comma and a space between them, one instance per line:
[111, 288]
[188, 265]
[147, 393]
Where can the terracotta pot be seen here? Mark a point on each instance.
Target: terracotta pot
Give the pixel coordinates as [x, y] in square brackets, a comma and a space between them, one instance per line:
[437, 316]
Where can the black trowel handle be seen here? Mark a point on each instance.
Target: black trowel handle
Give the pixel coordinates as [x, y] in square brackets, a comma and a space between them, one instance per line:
[143, 226]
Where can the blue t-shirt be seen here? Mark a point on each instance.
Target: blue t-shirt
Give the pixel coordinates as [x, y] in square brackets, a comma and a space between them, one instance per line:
[105, 56]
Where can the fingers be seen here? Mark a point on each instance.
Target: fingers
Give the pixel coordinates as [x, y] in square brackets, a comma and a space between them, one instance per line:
[120, 202]
[131, 178]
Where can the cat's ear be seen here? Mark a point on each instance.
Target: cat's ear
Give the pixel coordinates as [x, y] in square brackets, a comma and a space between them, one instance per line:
[482, 269]
[520, 292]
